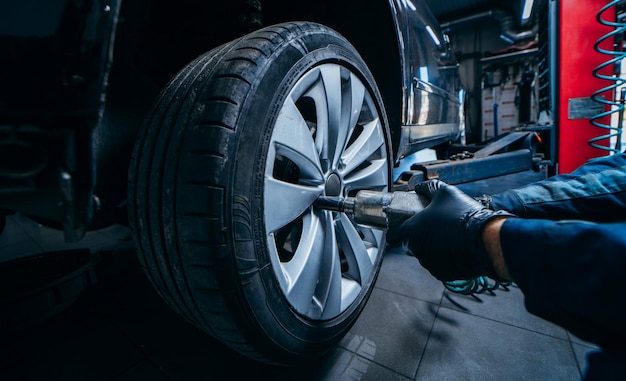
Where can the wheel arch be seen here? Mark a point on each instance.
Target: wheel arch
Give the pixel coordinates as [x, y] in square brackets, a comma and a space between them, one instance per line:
[161, 39]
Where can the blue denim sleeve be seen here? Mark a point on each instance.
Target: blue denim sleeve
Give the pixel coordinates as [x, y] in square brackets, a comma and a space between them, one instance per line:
[572, 274]
[596, 191]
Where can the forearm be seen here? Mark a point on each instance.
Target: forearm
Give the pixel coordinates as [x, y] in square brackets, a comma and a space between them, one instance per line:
[491, 240]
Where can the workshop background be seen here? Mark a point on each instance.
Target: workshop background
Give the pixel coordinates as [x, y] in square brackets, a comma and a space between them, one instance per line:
[87, 311]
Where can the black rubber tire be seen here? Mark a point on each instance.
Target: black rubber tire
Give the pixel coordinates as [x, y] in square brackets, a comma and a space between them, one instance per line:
[196, 184]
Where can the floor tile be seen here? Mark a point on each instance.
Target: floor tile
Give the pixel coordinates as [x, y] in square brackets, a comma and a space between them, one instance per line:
[24, 223]
[12, 233]
[402, 274]
[467, 347]
[49, 239]
[21, 247]
[15, 242]
[581, 352]
[346, 365]
[396, 327]
[117, 232]
[505, 305]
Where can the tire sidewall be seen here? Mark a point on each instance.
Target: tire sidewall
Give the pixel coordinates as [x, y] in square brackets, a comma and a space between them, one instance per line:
[262, 291]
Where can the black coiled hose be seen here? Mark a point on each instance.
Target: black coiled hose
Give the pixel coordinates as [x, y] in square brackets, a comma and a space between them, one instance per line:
[612, 106]
[477, 285]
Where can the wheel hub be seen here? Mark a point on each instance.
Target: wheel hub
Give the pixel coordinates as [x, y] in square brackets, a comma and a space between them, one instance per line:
[333, 185]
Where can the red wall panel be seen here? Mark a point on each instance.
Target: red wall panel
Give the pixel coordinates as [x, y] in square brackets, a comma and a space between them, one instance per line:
[578, 32]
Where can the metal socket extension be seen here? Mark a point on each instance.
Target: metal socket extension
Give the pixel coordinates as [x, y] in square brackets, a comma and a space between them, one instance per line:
[376, 209]
[385, 209]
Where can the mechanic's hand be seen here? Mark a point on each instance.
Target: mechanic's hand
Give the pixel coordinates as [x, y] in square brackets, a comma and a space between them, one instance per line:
[446, 237]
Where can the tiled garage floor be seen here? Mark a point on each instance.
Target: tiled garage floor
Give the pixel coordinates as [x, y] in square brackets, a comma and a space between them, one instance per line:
[411, 329]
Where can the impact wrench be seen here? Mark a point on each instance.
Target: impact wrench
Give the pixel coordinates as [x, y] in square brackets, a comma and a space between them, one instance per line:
[383, 210]
[387, 210]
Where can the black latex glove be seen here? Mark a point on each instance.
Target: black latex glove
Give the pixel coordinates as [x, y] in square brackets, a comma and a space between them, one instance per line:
[446, 237]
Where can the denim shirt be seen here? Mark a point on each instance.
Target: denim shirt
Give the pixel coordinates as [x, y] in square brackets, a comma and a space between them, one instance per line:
[594, 192]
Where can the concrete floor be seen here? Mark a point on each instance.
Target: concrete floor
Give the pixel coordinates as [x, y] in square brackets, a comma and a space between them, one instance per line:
[411, 328]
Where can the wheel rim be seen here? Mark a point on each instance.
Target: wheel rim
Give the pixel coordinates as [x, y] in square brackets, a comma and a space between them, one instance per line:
[327, 140]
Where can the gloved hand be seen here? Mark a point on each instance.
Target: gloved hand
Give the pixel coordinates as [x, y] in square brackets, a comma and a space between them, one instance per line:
[446, 237]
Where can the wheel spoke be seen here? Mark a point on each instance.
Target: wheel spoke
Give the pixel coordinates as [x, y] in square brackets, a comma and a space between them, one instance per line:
[373, 239]
[344, 99]
[284, 202]
[328, 293]
[374, 176]
[331, 79]
[303, 270]
[292, 138]
[367, 144]
[354, 249]
[315, 91]
[357, 92]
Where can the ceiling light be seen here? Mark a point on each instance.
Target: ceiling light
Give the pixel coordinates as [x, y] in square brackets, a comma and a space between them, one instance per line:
[433, 35]
[528, 8]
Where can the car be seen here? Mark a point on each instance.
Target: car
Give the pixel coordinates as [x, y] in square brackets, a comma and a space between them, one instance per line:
[210, 128]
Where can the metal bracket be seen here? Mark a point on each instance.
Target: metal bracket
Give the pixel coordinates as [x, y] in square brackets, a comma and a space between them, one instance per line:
[494, 159]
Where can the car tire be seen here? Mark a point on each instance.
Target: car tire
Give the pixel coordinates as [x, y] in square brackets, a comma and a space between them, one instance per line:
[222, 182]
